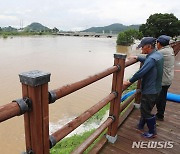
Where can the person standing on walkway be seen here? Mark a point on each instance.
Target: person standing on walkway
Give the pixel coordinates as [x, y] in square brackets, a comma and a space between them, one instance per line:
[151, 75]
[168, 73]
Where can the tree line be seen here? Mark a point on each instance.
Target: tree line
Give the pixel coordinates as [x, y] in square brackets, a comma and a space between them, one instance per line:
[156, 25]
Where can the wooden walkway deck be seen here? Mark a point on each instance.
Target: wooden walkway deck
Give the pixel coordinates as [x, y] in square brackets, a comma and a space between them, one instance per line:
[167, 130]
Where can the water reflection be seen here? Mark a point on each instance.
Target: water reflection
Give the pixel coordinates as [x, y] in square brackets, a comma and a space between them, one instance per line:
[123, 49]
[129, 50]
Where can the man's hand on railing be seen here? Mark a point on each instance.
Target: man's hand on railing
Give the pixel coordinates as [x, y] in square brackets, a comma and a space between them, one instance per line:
[132, 58]
[126, 84]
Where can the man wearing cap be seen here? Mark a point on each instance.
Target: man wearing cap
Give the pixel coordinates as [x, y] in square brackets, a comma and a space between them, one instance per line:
[168, 73]
[151, 75]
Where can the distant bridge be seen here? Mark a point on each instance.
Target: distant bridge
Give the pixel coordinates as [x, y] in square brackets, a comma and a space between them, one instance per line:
[86, 34]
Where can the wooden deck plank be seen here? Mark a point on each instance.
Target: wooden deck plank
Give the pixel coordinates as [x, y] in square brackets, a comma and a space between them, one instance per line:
[127, 145]
[127, 134]
[97, 147]
[134, 135]
[167, 130]
[168, 126]
[111, 149]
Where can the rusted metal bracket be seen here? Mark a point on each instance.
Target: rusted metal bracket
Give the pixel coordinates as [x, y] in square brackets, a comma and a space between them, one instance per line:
[112, 117]
[52, 141]
[28, 152]
[25, 104]
[119, 67]
[52, 97]
[115, 93]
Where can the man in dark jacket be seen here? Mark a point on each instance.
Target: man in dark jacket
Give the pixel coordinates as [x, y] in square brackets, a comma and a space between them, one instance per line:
[151, 75]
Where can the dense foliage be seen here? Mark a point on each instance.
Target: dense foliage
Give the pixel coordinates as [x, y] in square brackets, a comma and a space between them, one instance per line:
[127, 37]
[159, 24]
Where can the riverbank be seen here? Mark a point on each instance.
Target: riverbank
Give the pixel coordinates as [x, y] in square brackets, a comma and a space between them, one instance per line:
[67, 145]
[11, 34]
[70, 143]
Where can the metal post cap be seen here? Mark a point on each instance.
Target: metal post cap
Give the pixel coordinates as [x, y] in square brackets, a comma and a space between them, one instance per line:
[34, 78]
[120, 55]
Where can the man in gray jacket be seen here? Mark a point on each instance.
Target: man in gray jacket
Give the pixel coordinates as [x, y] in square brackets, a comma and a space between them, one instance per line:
[168, 73]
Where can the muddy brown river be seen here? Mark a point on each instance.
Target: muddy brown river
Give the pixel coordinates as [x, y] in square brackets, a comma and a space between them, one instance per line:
[68, 59]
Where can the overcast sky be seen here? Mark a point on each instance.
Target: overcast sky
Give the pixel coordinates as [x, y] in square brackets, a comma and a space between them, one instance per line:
[82, 14]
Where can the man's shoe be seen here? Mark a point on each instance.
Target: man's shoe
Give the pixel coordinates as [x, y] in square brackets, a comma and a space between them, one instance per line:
[159, 119]
[148, 135]
[140, 125]
[151, 123]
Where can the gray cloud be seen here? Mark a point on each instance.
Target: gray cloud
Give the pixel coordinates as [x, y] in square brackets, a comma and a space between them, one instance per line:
[80, 14]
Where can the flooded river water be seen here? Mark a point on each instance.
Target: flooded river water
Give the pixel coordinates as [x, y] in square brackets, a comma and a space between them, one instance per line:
[68, 59]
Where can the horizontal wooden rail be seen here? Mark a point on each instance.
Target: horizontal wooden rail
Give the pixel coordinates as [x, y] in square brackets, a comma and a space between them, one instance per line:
[130, 62]
[93, 137]
[128, 101]
[99, 145]
[9, 110]
[125, 88]
[67, 89]
[122, 117]
[125, 114]
[69, 127]
[35, 99]
[15, 108]
[176, 47]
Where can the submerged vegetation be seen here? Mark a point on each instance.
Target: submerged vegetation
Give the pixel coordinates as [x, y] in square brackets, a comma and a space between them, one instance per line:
[127, 37]
[5, 36]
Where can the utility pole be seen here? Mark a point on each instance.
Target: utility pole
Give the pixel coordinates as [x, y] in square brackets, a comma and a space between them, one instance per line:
[21, 24]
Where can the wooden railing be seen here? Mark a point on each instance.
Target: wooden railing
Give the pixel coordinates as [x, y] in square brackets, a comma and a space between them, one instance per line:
[35, 107]
[36, 98]
[176, 47]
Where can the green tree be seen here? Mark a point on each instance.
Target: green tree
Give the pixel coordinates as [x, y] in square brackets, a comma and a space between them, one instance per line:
[159, 24]
[127, 37]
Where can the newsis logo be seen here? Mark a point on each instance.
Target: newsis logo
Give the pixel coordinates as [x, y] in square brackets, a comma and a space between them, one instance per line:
[153, 144]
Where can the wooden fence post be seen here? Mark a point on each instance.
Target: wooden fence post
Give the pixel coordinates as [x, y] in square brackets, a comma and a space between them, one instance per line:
[138, 95]
[36, 121]
[119, 60]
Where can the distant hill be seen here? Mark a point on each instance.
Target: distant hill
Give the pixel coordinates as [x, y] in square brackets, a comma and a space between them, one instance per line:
[37, 27]
[114, 28]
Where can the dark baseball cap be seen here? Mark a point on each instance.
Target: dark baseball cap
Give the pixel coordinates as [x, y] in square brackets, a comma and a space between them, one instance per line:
[164, 39]
[147, 40]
